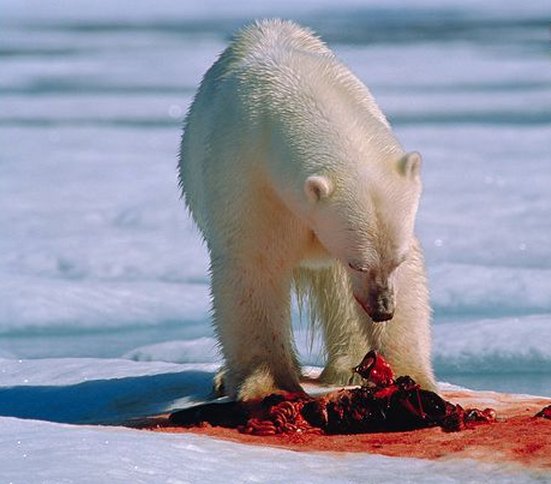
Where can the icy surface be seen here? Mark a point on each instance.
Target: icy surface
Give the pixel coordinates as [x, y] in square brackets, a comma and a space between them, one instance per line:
[112, 391]
[62, 453]
[104, 300]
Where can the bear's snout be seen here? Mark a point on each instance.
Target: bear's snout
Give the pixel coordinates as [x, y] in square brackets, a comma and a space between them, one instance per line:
[380, 306]
[380, 315]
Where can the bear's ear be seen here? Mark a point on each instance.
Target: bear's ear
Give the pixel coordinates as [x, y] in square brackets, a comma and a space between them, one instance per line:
[317, 187]
[410, 165]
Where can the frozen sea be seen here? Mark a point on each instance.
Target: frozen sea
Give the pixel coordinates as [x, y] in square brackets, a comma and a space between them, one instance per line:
[104, 303]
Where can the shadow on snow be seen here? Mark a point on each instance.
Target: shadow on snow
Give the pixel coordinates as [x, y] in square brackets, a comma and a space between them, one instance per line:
[112, 401]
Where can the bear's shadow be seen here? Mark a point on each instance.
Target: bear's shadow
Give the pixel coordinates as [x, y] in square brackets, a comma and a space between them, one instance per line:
[107, 402]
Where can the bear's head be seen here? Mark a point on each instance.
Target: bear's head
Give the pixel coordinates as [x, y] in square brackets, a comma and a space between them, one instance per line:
[365, 219]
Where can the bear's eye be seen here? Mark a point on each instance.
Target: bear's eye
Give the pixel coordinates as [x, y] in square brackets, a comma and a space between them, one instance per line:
[399, 261]
[357, 268]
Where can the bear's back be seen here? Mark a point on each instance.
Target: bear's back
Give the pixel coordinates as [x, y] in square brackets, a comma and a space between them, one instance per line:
[264, 37]
[278, 62]
[276, 73]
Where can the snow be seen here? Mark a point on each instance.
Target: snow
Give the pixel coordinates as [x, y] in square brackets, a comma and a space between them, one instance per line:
[98, 391]
[91, 455]
[41, 445]
[104, 299]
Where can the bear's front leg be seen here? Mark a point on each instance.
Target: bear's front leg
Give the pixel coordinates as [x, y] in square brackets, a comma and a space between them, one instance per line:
[251, 307]
[332, 308]
[405, 340]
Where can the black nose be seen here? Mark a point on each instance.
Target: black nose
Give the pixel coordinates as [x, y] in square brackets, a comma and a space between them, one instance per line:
[380, 316]
[383, 308]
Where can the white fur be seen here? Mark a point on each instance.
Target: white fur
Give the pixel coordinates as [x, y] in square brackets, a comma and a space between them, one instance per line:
[295, 178]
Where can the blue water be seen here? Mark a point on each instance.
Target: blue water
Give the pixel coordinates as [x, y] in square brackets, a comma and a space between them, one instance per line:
[98, 257]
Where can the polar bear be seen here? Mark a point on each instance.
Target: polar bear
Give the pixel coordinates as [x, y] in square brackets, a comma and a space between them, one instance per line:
[296, 181]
